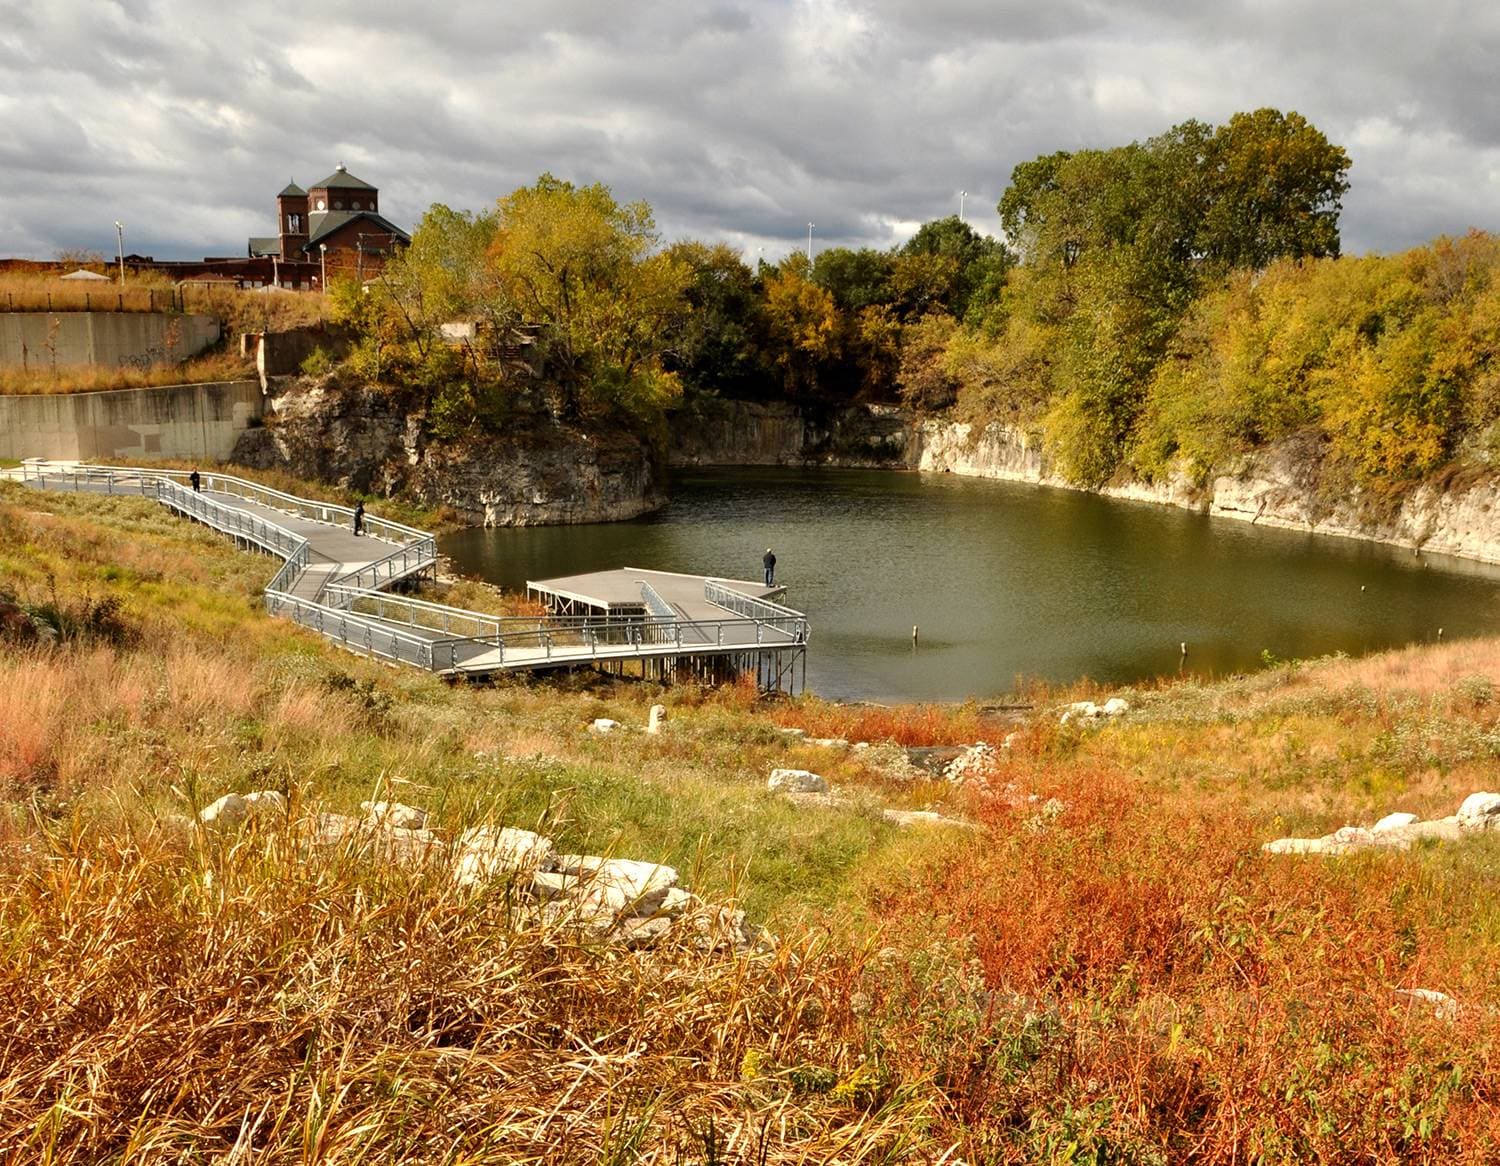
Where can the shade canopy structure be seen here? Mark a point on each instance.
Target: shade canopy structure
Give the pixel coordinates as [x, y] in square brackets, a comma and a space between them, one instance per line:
[92, 276]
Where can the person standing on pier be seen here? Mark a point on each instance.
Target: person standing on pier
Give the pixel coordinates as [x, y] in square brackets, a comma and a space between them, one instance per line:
[769, 562]
[359, 518]
[196, 481]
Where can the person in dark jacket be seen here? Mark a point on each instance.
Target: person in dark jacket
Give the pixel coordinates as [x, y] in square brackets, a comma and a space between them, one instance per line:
[359, 518]
[769, 562]
[196, 481]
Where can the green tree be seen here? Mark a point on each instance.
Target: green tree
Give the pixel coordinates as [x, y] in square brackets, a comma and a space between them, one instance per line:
[855, 279]
[1275, 187]
[721, 344]
[980, 263]
[585, 268]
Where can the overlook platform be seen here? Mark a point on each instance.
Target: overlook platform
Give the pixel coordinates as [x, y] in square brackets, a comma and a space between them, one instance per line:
[654, 624]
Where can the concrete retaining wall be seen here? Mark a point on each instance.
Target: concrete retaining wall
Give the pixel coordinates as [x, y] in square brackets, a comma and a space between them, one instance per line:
[108, 339]
[187, 421]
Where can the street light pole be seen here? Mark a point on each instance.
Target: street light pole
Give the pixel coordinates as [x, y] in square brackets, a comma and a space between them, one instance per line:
[809, 243]
[323, 273]
[120, 242]
[962, 194]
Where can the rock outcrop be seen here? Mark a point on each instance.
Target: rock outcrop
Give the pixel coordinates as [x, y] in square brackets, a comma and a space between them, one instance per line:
[538, 471]
[1400, 831]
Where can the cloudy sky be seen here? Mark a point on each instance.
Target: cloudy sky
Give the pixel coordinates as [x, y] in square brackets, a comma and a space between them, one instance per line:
[736, 119]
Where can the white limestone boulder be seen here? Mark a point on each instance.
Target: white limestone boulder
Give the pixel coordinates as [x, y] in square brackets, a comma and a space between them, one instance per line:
[236, 809]
[798, 781]
[394, 815]
[604, 725]
[1480, 810]
[484, 853]
[1115, 706]
[1391, 822]
[623, 885]
[225, 813]
[657, 718]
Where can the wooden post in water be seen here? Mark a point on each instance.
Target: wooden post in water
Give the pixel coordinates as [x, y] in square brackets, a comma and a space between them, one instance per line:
[913, 635]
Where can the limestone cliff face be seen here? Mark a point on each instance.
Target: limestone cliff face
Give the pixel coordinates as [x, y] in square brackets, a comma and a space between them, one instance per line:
[540, 472]
[1279, 486]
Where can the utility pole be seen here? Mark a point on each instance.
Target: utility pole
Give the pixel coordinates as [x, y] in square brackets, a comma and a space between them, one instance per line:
[809, 244]
[323, 275]
[962, 194]
[120, 243]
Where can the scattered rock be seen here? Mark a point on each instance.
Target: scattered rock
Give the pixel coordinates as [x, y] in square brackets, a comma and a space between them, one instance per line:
[892, 760]
[226, 813]
[604, 725]
[1443, 1006]
[935, 759]
[1480, 809]
[404, 847]
[484, 853]
[639, 887]
[828, 742]
[658, 716]
[395, 815]
[975, 763]
[801, 781]
[1115, 706]
[235, 809]
[642, 932]
[678, 902]
[1079, 710]
[787, 731]
[1398, 831]
[263, 802]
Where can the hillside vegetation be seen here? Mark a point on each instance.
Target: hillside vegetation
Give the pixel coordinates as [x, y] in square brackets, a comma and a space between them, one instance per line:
[1157, 308]
[1106, 969]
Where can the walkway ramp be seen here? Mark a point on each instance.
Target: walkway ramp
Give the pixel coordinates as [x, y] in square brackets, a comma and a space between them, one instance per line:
[335, 582]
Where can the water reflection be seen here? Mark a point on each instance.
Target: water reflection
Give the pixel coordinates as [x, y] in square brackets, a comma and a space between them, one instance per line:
[1008, 580]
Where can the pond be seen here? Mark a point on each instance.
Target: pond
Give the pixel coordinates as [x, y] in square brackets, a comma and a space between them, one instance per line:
[1007, 580]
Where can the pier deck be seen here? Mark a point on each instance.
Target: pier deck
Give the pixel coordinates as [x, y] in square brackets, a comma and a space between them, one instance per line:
[669, 626]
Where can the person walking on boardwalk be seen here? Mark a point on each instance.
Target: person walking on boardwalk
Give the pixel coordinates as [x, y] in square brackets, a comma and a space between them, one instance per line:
[359, 518]
[196, 481]
[769, 562]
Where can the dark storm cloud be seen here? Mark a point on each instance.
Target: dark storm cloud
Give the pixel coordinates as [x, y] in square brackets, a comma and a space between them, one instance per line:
[735, 119]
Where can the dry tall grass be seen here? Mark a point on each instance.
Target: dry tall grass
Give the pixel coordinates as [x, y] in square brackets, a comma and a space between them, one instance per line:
[249, 310]
[91, 378]
[243, 1003]
[1107, 970]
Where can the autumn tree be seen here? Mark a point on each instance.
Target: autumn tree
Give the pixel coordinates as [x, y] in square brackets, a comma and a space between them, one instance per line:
[586, 270]
[803, 323]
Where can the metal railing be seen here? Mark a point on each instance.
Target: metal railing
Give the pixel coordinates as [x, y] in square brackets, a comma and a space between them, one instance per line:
[137, 480]
[367, 636]
[415, 613]
[783, 619]
[434, 636]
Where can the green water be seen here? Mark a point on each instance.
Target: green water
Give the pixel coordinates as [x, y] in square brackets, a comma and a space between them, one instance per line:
[1007, 580]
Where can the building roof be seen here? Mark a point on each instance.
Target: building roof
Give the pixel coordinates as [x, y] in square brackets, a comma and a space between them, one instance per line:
[264, 245]
[81, 274]
[292, 190]
[341, 178]
[321, 224]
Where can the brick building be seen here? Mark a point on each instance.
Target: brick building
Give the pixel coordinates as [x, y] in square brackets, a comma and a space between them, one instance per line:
[335, 224]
